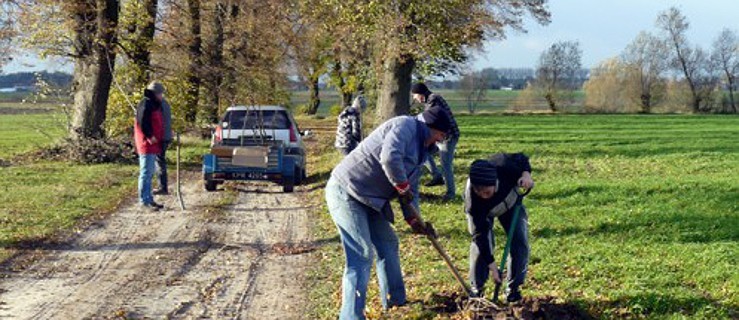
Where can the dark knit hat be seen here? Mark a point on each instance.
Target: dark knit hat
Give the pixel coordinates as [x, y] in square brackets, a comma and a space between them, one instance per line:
[420, 88]
[483, 173]
[437, 118]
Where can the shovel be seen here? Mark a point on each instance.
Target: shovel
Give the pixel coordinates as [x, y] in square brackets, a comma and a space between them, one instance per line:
[440, 250]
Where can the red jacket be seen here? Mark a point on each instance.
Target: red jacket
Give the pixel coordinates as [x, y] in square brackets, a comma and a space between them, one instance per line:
[149, 124]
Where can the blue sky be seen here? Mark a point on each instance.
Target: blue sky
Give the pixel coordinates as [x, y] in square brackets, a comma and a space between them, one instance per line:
[604, 29]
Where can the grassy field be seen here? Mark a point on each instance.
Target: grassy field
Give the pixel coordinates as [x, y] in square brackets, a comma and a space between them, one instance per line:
[632, 217]
[39, 199]
[494, 100]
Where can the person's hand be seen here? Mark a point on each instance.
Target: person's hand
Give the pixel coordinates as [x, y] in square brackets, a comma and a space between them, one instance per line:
[494, 272]
[417, 225]
[404, 192]
[153, 140]
[525, 181]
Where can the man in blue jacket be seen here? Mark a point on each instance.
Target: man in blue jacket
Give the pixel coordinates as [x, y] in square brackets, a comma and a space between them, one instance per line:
[386, 165]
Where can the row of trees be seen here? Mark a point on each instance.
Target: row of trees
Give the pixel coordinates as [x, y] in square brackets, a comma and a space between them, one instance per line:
[212, 53]
[653, 69]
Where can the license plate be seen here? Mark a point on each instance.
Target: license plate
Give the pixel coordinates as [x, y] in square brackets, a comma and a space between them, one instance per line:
[246, 176]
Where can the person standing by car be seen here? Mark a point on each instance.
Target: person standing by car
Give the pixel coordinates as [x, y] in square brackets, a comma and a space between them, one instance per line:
[492, 191]
[422, 94]
[149, 135]
[157, 86]
[384, 166]
[349, 127]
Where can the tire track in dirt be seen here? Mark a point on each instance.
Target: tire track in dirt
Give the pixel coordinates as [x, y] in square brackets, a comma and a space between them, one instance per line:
[196, 264]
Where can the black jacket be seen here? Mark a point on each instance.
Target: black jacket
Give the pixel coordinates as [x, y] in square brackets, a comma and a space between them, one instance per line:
[510, 167]
[143, 112]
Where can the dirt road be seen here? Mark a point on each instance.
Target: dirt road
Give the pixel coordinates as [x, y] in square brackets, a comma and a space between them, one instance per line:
[244, 260]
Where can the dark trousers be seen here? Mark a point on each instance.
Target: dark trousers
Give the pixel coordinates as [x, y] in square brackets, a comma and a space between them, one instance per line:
[481, 229]
[162, 167]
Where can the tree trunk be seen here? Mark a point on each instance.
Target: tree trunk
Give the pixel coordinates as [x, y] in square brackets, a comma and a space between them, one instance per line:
[215, 65]
[646, 103]
[95, 29]
[551, 102]
[141, 51]
[394, 97]
[315, 101]
[731, 95]
[193, 73]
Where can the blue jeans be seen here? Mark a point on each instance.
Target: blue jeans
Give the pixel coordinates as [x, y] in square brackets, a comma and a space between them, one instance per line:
[147, 168]
[363, 232]
[481, 229]
[446, 156]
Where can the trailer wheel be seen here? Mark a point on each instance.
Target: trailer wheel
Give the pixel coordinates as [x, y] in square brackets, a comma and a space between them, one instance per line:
[288, 184]
[210, 185]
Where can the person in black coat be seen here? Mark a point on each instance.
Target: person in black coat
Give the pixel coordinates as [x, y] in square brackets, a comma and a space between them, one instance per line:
[492, 191]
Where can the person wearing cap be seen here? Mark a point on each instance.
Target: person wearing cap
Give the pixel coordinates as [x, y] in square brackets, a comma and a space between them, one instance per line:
[149, 135]
[492, 191]
[349, 127]
[422, 94]
[384, 166]
[161, 161]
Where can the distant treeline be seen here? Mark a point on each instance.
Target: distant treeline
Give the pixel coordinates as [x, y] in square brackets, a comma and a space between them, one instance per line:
[497, 78]
[29, 79]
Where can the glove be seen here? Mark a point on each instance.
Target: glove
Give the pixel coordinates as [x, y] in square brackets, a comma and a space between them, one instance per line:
[421, 227]
[418, 226]
[404, 192]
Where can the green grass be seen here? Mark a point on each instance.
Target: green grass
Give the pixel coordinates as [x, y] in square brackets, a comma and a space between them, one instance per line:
[41, 199]
[632, 217]
[21, 133]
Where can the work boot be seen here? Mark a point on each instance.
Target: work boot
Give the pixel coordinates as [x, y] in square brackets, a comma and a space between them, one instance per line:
[513, 296]
[436, 181]
[161, 192]
[149, 207]
[158, 206]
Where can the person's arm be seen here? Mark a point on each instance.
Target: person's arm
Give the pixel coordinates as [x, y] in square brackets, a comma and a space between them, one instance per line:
[356, 128]
[143, 117]
[521, 162]
[393, 150]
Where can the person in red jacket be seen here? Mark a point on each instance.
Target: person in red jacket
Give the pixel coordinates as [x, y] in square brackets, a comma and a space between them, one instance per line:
[149, 135]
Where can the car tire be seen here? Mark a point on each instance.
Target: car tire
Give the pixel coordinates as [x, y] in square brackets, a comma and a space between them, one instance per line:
[210, 185]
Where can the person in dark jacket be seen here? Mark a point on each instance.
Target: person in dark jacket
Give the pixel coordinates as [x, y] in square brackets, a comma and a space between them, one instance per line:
[492, 191]
[385, 166]
[422, 94]
[349, 126]
[148, 135]
[163, 189]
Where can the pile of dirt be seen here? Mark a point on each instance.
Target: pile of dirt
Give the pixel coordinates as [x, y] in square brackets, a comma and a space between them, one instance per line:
[88, 151]
[530, 308]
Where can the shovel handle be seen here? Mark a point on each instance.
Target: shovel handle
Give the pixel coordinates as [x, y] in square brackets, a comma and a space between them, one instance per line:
[441, 251]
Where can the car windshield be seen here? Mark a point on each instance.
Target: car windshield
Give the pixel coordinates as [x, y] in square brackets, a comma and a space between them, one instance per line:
[255, 119]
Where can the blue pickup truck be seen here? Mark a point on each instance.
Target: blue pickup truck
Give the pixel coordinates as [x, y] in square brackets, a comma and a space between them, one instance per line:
[256, 143]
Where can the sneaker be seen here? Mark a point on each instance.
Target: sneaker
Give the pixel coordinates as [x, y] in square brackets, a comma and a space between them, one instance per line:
[514, 296]
[161, 192]
[476, 293]
[158, 206]
[436, 181]
[148, 207]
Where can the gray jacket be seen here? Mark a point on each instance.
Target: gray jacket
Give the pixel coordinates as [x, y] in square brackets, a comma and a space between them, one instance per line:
[393, 153]
[167, 115]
